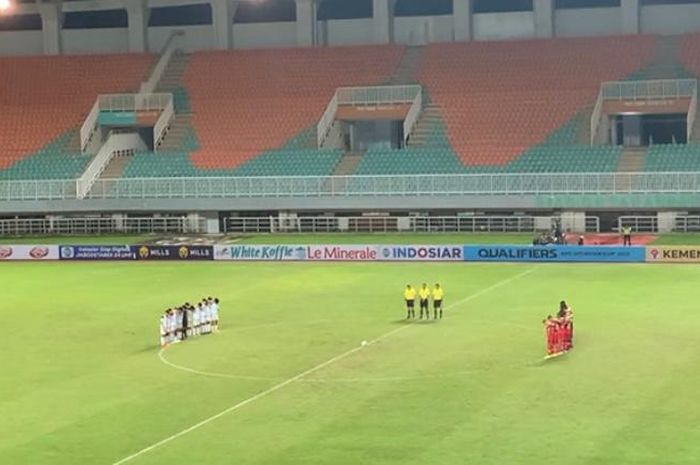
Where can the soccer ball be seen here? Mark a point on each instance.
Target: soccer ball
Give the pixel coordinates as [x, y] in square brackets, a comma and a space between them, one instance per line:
[364, 343]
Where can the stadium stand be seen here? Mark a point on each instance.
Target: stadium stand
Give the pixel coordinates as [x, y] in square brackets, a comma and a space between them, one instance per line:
[43, 101]
[270, 96]
[520, 106]
[517, 96]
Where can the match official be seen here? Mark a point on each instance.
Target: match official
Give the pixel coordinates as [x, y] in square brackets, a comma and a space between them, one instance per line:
[410, 296]
[438, 294]
[424, 294]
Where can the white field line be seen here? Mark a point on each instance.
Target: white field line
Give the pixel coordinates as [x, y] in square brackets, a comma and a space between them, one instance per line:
[306, 373]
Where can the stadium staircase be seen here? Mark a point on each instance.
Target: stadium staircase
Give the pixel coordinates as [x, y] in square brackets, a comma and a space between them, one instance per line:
[632, 160]
[666, 62]
[171, 82]
[428, 124]
[348, 164]
[407, 71]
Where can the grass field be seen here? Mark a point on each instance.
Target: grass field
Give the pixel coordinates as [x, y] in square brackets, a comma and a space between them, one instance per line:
[287, 381]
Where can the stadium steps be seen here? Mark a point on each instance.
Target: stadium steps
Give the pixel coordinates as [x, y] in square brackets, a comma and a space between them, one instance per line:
[178, 132]
[695, 135]
[407, 70]
[116, 166]
[172, 77]
[632, 160]
[583, 134]
[429, 122]
[348, 164]
[666, 63]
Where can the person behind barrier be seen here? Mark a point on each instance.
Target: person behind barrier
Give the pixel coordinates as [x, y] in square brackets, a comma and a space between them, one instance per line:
[627, 236]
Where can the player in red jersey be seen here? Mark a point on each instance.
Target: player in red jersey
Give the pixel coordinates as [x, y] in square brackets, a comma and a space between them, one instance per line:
[567, 313]
[552, 331]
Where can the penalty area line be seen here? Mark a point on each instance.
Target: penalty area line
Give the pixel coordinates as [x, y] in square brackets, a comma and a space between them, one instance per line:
[306, 373]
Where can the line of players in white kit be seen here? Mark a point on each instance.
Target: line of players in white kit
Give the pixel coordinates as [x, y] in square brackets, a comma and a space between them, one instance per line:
[180, 323]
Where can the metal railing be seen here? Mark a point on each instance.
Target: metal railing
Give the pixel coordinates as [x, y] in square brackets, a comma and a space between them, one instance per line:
[134, 102]
[392, 224]
[413, 115]
[687, 223]
[326, 121]
[596, 116]
[89, 126]
[377, 95]
[88, 226]
[692, 113]
[516, 184]
[649, 90]
[639, 224]
[160, 129]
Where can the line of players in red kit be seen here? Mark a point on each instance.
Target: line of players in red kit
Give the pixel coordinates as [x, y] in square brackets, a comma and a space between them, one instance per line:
[560, 331]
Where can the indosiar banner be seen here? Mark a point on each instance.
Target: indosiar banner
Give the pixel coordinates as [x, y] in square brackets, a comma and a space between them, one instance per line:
[173, 252]
[673, 254]
[591, 254]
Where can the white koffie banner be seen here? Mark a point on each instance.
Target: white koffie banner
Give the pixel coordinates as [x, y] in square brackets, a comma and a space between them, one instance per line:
[340, 253]
[28, 252]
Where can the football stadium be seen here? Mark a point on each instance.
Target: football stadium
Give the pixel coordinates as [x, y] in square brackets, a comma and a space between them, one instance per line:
[349, 232]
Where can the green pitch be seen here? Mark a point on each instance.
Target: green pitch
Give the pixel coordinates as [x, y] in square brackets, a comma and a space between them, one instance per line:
[82, 381]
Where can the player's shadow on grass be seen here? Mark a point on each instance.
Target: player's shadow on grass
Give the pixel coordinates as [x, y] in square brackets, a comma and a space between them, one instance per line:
[415, 321]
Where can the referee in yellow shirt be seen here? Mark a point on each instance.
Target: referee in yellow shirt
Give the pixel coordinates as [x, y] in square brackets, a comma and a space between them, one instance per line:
[410, 296]
[424, 294]
[438, 294]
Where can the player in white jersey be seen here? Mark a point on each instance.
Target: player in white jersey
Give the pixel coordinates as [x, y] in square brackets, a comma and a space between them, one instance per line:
[214, 314]
[178, 324]
[206, 308]
[163, 330]
[197, 319]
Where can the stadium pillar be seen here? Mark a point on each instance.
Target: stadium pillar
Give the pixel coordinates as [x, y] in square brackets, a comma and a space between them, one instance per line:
[630, 16]
[383, 19]
[51, 25]
[306, 23]
[544, 18]
[223, 12]
[462, 17]
[138, 14]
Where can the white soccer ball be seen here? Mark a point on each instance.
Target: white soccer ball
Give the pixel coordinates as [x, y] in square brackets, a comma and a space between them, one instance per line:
[364, 343]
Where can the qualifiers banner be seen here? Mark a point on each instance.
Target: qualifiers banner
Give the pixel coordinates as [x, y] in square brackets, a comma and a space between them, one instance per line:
[28, 252]
[673, 254]
[173, 252]
[591, 254]
[97, 252]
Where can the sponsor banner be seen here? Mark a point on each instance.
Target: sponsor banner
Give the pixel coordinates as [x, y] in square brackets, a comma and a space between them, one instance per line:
[343, 253]
[427, 253]
[673, 254]
[260, 252]
[322, 252]
[28, 252]
[173, 252]
[593, 254]
[96, 252]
